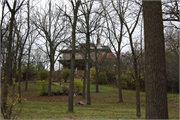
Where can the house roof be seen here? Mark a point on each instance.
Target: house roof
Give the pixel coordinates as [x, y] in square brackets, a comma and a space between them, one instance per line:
[106, 57]
[82, 46]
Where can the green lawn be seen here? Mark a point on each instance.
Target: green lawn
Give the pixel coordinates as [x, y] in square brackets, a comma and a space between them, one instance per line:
[105, 105]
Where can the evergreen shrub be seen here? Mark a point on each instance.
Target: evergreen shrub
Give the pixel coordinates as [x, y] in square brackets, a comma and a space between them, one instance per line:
[65, 74]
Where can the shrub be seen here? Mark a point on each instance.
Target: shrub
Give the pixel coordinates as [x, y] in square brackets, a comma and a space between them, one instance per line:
[43, 86]
[43, 74]
[65, 74]
[123, 81]
[93, 73]
[78, 85]
[11, 111]
[110, 75]
[127, 80]
[102, 78]
[17, 74]
[31, 72]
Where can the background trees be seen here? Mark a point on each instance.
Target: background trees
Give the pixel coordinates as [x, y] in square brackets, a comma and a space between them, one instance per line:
[172, 54]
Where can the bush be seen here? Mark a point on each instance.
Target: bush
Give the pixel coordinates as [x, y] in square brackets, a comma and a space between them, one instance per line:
[43, 86]
[93, 73]
[65, 74]
[31, 72]
[43, 74]
[123, 80]
[17, 74]
[78, 85]
[11, 111]
[127, 80]
[110, 75]
[102, 78]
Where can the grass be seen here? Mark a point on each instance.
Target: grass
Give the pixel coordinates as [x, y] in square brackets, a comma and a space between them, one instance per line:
[105, 105]
[101, 87]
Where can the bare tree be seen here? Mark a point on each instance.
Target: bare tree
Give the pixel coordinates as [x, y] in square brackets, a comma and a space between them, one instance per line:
[130, 30]
[115, 31]
[170, 10]
[89, 23]
[171, 40]
[155, 84]
[31, 40]
[99, 57]
[22, 38]
[73, 23]
[54, 32]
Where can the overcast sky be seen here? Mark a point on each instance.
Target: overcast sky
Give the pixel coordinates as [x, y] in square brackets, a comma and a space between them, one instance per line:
[43, 4]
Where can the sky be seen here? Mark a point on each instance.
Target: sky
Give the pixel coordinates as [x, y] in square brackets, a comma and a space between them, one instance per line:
[43, 4]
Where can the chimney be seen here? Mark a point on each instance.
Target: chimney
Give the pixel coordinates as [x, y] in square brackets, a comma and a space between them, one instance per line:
[98, 41]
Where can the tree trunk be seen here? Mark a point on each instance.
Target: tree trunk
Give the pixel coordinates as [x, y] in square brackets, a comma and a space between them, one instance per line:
[71, 85]
[84, 81]
[88, 70]
[27, 72]
[155, 84]
[50, 74]
[97, 69]
[119, 77]
[138, 109]
[19, 79]
[53, 61]
[8, 62]
[97, 88]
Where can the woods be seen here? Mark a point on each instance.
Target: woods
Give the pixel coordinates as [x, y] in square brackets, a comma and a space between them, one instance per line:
[133, 44]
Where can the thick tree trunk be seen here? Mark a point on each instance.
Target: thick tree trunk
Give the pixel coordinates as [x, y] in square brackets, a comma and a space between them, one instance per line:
[155, 84]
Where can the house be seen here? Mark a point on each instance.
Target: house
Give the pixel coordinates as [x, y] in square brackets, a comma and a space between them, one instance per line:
[104, 55]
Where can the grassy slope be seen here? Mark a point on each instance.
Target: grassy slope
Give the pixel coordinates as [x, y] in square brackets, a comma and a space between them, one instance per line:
[104, 105]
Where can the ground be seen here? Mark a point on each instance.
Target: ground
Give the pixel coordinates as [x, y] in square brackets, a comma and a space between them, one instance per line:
[104, 105]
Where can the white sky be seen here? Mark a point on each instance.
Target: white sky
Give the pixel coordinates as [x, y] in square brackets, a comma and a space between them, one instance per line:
[43, 4]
